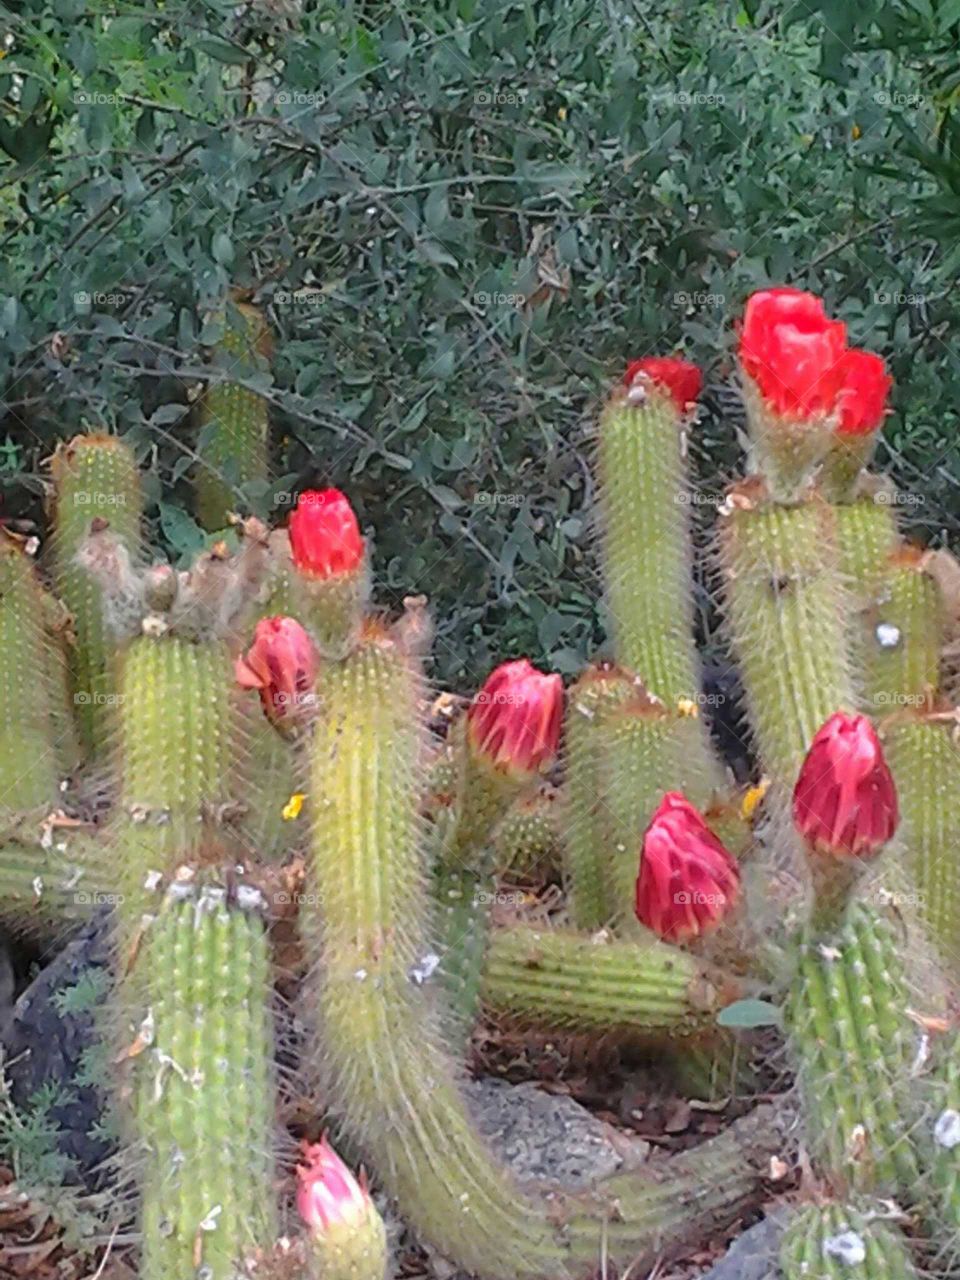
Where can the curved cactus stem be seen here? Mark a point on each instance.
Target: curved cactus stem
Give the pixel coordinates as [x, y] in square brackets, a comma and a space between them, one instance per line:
[838, 1241]
[787, 611]
[234, 421]
[198, 1010]
[853, 1043]
[565, 981]
[382, 1056]
[94, 476]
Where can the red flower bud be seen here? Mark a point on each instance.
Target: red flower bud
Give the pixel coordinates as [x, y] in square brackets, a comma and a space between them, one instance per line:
[862, 400]
[845, 801]
[680, 378]
[325, 538]
[514, 721]
[282, 664]
[328, 1194]
[792, 351]
[688, 881]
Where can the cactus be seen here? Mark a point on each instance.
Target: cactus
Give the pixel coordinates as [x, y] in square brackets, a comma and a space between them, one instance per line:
[585, 817]
[842, 1241]
[787, 612]
[234, 421]
[527, 839]
[46, 888]
[94, 476]
[178, 754]
[29, 772]
[853, 1044]
[925, 761]
[200, 1055]
[561, 980]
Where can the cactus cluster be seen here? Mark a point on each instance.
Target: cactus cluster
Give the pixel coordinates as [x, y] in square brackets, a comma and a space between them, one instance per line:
[263, 735]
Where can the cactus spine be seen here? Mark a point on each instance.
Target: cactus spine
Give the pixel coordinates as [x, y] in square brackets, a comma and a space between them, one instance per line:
[835, 1242]
[94, 476]
[561, 980]
[202, 1088]
[853, 1044]
[527, 839]
[234, 421]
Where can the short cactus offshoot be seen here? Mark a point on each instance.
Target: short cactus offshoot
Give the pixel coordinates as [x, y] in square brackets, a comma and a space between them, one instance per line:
[269, 731]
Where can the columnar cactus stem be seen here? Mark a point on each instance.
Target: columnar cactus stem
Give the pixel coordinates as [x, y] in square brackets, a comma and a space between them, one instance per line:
[840, 1241]
[564, 981]
[201, 1051]
[924, 757]
[29, 773]
[94, 476]
[787, 612]
[179, 754]
[234, 421]
[383, 1062]
[586, 825]
[527, 839]
[853, 1043]
[463, 897]
[44, 890]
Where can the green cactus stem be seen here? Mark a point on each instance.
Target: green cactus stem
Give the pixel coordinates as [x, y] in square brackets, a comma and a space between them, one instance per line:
[234, 421]
[585, 821]
[393, 1080]
[29, 772]
[561, 980]
[844, 1242]
[94, 476]
[898, 627]
[179, 758]
[528, 837]
[717, 1065]
[661, 1212]
[200, 1055]
[273, 791]
[46, 888]
[942, 1155]
[646, 550]
[464, 898]
[924, 756]
[853, 1044]
[787, 611]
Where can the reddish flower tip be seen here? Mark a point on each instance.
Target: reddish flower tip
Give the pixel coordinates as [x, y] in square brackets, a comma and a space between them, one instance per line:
[325, 538]
[514, 721]
[680, 378]
[864, 387]
[327, 1192]
[688, 881]
[792, 350]
[845, 800]
[282, 663]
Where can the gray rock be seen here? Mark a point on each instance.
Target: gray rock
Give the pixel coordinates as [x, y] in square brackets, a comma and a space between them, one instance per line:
[754, 1255]
[550, 1138]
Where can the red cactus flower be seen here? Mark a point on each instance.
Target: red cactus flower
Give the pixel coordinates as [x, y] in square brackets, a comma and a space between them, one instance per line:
[282, 664]
[325, 538]
[688, 881]
[864, 386]
[682, 379]
[514, 721]
[792, 351]
[845, 800]
[328, 1194]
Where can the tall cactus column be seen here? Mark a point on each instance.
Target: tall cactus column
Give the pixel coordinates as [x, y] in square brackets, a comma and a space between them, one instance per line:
[379, 1052]
[646, 552]
[94, 477]
[234, 420]
[201, 1060]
